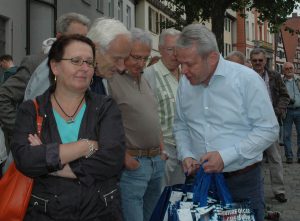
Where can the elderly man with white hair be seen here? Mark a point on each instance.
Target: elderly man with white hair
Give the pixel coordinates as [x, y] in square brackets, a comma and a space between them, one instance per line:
[163, 78]
[113, 43]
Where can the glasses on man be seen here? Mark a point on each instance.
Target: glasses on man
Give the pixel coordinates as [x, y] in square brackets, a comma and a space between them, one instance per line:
[78, 61]
[257, 60]
[140, 58]
[170, 50]
[289, 68]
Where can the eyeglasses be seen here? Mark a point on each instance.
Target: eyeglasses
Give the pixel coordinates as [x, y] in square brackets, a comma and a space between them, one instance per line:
[257, 60]
[289, 68]
[170, 50]
[78, 61]
[140, 58]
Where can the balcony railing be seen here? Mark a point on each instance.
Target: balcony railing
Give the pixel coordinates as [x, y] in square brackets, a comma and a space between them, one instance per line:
[263, 44]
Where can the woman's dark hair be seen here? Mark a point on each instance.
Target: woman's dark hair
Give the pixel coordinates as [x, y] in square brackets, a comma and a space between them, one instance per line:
[57, 50]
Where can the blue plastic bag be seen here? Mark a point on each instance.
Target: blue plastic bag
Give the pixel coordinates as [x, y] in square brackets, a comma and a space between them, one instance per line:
[210, 184]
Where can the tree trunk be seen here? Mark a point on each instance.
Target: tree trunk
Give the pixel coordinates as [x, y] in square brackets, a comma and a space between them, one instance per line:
[217, 24]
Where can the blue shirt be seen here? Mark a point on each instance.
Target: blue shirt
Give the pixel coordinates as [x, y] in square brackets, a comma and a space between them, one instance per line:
[69, 132]
[232, 115]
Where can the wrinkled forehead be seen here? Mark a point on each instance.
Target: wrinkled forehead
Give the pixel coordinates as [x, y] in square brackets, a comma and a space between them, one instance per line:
[258, 55]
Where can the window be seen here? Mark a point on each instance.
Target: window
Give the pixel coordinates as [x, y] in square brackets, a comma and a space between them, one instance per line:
[227, 24]
[100, 6]
[260, 33]
[248, 53]
[163, 22]
[120, 10]
[111, 8]
[252, 31]
[2, 35]
[226, 50]
[247, 31]
[153, 21]
[128, 17]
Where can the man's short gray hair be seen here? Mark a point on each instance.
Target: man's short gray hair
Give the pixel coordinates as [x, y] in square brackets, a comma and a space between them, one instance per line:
[165, 32]
[257, 51]
[142, 36]
[105, 30]
[237, 54]
[64, 21]
[200, 35]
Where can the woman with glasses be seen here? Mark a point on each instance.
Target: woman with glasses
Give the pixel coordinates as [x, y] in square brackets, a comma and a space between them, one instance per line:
[77, 160]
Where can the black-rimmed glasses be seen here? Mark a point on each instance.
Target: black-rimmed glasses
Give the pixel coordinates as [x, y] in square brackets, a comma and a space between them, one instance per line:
[140, 58]
[78, 61]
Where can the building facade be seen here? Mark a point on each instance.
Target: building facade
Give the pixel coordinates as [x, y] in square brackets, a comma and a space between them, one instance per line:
[251, 33]
[25, 27]
[288, 43]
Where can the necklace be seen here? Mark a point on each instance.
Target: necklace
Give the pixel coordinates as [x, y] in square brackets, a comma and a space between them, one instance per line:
[70, 117]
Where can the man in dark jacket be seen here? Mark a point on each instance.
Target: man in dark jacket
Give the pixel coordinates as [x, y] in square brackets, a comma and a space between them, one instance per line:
[280, 100]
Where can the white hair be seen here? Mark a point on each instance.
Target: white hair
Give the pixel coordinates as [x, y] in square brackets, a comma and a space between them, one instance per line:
[200, 35]
[141, 36]
[105, 30]
[165, 32]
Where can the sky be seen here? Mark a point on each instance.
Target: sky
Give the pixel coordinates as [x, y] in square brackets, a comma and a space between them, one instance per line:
[296, 10]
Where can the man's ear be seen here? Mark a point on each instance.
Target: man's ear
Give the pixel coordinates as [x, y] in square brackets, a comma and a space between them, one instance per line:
[213, 58]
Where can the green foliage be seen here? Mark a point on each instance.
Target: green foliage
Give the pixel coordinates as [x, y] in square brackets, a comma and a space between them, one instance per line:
[275, 12]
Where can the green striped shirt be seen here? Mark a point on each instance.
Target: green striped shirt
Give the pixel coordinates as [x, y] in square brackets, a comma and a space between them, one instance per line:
[165, 88]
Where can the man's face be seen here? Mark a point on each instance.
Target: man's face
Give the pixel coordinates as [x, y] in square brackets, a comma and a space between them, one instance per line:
[4, 64]
[196, 68]
[288, 70]
[236, 59]
[138, 57]
[74, 28]
[258, 62]
[111, 61]
[167, 51]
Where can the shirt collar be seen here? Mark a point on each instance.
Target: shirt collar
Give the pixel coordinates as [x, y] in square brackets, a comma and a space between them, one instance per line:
[221, 68]
[161, 68]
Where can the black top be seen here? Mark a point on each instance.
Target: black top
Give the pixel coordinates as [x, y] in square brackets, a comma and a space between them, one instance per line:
[82, 198]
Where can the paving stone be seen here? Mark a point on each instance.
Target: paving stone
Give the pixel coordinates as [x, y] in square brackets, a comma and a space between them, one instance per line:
[290, 211]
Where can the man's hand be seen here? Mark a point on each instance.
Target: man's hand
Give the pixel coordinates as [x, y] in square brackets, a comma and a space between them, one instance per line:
[190, 166]
[212, 162]
[131, 163]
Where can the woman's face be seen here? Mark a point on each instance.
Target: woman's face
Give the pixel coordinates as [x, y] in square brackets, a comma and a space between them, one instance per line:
[75, 70]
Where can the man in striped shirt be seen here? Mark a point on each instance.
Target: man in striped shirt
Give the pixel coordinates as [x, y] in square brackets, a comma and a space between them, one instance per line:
[163, 78]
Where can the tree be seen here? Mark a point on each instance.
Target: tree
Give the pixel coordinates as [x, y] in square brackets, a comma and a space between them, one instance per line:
[275, 12]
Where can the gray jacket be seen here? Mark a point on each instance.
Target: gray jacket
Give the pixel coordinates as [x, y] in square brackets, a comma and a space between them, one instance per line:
[12, 91]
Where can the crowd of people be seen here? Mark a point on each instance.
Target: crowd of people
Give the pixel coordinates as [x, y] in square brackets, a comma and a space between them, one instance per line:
[116, 132]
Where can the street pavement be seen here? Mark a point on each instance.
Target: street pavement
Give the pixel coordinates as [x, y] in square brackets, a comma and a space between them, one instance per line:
[290, 211]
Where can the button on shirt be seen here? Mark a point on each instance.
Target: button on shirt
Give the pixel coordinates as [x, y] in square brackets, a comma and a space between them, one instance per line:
[232, 115]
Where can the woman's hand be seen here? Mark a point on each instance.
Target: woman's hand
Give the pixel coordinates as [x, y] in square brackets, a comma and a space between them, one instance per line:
[34, 140]
[65, 172]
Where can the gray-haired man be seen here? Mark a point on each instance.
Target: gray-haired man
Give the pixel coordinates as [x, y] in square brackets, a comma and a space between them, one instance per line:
[163, 78]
